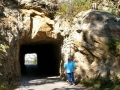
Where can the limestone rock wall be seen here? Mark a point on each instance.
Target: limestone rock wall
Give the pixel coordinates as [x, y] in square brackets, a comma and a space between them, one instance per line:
[90, 43]
[10, 67]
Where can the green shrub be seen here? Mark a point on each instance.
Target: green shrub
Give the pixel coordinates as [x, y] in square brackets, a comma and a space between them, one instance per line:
[102, 83]
[70, 10]
[35, 60]
[90, 83]
[3, 47]
[114, 44]
[0, 72]
[113, 8]
[0, 64]
[2, 87]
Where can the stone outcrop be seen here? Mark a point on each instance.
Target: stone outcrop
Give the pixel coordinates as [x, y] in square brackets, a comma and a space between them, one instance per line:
[88, 41]
[92, 39]
[95, 54]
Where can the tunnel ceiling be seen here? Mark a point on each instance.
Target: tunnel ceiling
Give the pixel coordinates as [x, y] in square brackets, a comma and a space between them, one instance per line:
[34, 47]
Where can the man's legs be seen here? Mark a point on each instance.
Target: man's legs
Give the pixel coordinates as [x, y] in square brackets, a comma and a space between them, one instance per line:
[72, 77]
[69, 78]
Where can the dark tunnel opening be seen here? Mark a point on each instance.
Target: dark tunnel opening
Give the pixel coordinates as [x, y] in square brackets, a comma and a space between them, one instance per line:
[48, 59]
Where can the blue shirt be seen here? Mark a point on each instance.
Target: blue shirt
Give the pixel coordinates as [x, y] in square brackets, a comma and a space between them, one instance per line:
[69, 66]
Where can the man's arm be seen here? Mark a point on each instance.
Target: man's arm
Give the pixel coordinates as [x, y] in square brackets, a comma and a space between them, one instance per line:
[64, 71]
[74, 65]
[65, 68]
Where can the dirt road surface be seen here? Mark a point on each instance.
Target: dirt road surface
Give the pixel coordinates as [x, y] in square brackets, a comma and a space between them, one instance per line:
[33, 81]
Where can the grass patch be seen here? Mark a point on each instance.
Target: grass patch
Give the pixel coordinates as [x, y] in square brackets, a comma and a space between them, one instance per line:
[70, 10]
[102, 84]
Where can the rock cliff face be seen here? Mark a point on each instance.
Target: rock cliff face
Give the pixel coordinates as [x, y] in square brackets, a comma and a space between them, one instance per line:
[92, 39]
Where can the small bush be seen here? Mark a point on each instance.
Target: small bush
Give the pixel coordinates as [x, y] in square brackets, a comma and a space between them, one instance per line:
[35, 60]
[70, 10]
[0, 64]
[0, 72]
[102, 84]
[91, 83]
[114, 44]
[2, 87]
[3, 47]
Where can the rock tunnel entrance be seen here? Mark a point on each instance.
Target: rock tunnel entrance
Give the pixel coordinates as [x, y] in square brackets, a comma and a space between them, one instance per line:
[48, 58]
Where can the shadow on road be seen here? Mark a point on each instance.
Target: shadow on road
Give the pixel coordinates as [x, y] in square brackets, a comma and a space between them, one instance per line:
[33, 76]
[34, 80]
[70, 89]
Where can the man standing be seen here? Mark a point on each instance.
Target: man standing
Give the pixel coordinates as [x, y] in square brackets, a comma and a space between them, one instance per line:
[94, 4]
[69, 69]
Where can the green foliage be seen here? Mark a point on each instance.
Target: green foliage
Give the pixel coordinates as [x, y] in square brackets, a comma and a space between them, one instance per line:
[2, 87]
[63, 9]
[106, 49]
[2, 50]
[35, 60]
[3, 47]
[70, 10]
[102, 84]
[113, 8]
[114, 44]
[82, 5]
[0, 64]
[91, 82]
[1, 10]
[0, 72]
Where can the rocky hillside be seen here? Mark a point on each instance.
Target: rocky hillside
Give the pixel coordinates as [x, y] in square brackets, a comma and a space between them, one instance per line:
[92, 38]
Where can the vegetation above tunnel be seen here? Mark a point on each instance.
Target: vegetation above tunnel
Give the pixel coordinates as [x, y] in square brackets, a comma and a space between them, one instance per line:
[72, 9]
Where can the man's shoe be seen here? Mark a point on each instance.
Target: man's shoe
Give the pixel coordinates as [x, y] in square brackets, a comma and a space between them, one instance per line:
[70, 83]
[73, 84]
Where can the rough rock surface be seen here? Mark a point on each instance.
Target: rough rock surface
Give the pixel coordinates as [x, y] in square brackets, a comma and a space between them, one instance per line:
[88, 42]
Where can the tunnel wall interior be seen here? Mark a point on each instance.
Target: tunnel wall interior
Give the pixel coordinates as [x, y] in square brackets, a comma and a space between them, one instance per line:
[48, 58]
